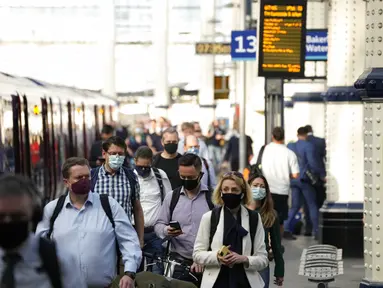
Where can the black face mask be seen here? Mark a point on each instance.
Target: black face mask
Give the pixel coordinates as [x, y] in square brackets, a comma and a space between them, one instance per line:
[190, 184]
[232, 200]
[143, 171]
[171, 148]
[13, 234]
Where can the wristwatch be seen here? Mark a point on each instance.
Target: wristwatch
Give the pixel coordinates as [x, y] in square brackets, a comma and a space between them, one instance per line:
[132, 275]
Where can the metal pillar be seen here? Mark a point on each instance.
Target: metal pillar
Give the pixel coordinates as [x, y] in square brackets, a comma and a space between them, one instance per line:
[274, 105]
[370, 83]
[242, 96]
[340, 220]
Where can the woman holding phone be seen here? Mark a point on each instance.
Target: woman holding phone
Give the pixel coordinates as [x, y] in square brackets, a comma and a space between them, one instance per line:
[236, 265]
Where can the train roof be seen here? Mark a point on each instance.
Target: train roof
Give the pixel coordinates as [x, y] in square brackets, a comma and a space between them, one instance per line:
[35, 89]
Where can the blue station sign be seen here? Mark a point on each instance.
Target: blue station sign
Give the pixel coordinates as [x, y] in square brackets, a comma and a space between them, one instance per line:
[316, 44]
[243, 45]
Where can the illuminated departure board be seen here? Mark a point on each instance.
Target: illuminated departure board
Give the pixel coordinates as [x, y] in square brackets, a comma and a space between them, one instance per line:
[282, 38]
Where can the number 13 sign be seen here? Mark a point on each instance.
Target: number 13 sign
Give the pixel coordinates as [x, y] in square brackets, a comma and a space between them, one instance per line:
[243, 45]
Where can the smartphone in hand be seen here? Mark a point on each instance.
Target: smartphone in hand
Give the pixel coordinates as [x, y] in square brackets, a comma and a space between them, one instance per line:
[175, 225]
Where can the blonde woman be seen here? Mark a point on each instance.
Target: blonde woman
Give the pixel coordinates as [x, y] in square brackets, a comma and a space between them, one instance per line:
[237, 228]
[263, 203]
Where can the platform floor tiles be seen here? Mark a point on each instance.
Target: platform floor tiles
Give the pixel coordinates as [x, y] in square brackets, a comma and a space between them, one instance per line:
[353, 268]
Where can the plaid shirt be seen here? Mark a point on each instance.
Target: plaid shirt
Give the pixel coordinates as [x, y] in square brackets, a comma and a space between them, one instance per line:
[117, 186]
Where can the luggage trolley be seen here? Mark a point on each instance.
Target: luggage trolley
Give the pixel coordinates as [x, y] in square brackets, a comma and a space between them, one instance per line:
[321, 264]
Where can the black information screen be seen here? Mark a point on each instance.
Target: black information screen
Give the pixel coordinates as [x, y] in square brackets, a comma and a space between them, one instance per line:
[282, 38]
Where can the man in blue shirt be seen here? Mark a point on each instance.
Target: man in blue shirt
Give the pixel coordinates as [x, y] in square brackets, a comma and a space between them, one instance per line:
[302, 188]
[83, 229]
[23, 258]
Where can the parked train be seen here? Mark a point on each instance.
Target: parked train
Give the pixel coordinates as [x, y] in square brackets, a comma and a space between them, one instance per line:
[42, 124]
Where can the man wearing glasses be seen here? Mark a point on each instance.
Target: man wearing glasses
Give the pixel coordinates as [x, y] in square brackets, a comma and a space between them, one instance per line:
[119, 182]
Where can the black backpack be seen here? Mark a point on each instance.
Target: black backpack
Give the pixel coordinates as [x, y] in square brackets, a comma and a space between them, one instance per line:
[257, 167]
[176, 196]
[48, 255]
[214, 220]
[105, 205]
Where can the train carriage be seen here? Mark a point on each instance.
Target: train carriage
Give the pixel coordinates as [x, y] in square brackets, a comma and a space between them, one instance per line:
[43, 124]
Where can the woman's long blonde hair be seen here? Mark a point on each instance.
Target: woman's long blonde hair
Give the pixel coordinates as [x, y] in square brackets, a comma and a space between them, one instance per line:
[240, 181]
[267, 211]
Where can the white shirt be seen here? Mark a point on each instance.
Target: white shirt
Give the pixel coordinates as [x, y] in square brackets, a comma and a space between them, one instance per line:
[150, 196]
[278, 163]
[26, 271]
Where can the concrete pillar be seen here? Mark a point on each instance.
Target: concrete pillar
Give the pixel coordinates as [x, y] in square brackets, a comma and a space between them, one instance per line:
[160, 32]
[341, 216]
[206, 90]
[107, 41]
[372, 95]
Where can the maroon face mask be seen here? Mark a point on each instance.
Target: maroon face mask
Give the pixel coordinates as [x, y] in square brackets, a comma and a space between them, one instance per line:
[81, 187]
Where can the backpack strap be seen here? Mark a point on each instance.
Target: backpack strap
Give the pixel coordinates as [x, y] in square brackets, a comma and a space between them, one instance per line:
[173, 202]
[132, 178]
[214, 220]
[208, 195]
[94, 177]
[104, 198]
[253, 223]
[48, 255]
[208, 172]
[56, 212]
[159, 181]
[259, 159]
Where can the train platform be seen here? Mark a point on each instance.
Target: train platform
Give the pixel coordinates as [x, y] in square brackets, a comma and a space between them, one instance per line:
[353, 268]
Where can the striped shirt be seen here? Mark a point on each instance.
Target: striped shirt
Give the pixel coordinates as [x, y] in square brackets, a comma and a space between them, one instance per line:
[117, 186]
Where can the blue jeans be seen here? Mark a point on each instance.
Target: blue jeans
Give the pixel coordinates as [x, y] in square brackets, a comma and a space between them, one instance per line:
[153, 245]
[299, 193]
[265, 274]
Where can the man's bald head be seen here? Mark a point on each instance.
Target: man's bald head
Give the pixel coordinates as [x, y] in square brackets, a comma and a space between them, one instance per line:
[191, 144]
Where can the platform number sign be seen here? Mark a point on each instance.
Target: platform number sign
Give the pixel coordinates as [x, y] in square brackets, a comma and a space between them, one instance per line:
[244, 45]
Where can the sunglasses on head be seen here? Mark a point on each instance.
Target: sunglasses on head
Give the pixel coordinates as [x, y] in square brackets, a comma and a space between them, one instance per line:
[235, 173]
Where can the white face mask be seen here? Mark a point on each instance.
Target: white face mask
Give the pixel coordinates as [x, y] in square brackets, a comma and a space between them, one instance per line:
[258, 193]
[116, 161]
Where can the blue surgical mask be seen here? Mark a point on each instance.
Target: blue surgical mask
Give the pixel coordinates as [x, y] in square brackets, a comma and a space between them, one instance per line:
[193, 150]
[258, 193]
[116, 161]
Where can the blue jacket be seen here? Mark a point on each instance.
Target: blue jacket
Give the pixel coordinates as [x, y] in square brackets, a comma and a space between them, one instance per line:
[308, 158]
[320, 148]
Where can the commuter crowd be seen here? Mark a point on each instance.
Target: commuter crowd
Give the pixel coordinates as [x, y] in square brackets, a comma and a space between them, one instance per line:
[150, 199]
